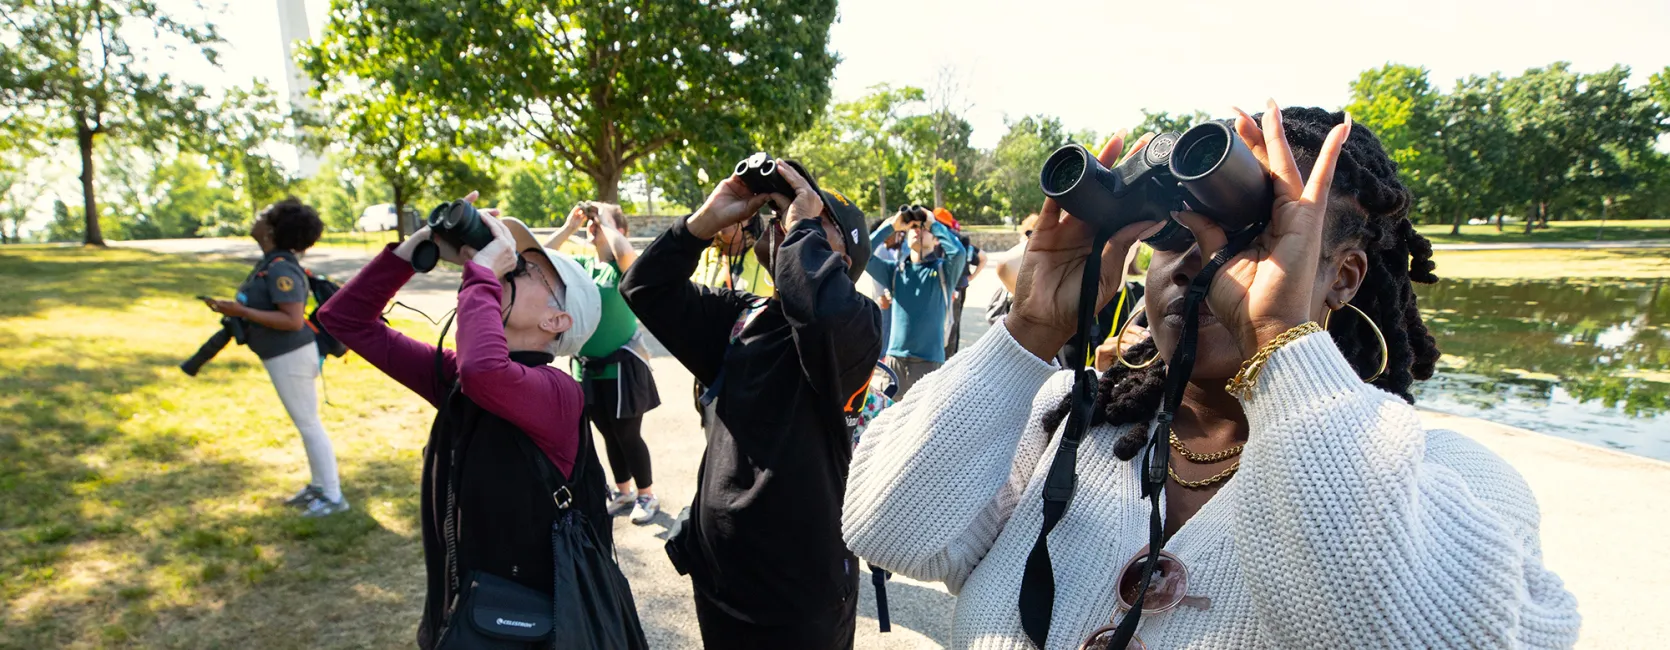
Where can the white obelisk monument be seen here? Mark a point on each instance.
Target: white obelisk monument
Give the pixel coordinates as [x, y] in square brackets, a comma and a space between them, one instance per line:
[292, 27]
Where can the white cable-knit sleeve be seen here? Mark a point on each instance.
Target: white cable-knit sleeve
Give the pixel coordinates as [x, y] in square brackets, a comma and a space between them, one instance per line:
[1352, 532]
[935, 476]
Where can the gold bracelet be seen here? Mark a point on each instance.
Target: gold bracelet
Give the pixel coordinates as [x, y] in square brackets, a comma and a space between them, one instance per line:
[1242, 384]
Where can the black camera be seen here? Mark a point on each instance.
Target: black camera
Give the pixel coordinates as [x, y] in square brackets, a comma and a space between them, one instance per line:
[759, 173]
[1207, 169]
[457, 223]
[231, 329]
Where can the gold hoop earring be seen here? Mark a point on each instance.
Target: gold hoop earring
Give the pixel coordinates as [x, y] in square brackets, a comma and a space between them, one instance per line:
[1119, 335]
[1378, 335]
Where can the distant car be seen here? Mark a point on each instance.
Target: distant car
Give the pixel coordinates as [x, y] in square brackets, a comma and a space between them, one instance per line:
[378, 218]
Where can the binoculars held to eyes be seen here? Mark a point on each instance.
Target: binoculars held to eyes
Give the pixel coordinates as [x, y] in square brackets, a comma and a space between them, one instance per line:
[913, 213]
[1206, 169]
[457, 223]
[759, 173]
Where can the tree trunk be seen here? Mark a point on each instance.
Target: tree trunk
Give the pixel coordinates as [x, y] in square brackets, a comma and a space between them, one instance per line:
[1531, 216]
[1542, 209]
[1605, 211]
[1499, 218]
[881, 194]
[939, 187]
[649, 187]
[399, 212]
[608, 183]
[1455, 225]
[93, 236]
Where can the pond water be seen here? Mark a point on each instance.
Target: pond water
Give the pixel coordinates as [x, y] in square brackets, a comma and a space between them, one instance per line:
[1582, 359]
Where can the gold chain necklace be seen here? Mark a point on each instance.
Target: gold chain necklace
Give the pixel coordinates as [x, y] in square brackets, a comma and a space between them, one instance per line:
[1195, 485]
[1204, 458]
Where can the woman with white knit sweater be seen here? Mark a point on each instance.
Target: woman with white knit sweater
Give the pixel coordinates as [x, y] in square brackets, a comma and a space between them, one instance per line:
[1305, 506]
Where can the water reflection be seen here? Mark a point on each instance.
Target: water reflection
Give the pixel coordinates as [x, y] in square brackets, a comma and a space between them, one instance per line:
[1583, 359]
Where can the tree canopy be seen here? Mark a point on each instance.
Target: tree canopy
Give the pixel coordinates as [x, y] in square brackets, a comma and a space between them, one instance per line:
[72, 69]
[615, 82]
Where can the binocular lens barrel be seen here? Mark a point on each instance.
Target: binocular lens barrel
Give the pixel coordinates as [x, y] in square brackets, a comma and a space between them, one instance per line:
[1223, 178]
[1082, 186]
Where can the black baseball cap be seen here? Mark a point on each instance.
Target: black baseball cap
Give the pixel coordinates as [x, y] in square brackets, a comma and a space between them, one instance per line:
[849, 220]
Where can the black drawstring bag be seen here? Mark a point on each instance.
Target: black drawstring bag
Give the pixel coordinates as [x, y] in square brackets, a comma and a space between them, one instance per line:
[590, 607]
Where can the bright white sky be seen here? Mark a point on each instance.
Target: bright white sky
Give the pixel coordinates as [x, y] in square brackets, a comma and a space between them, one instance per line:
[1096, 64]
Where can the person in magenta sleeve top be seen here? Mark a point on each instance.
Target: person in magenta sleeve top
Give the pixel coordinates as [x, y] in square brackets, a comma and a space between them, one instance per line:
[501, 407]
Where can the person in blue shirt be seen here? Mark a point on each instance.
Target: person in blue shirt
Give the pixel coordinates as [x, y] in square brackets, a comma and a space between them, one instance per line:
[921, 281]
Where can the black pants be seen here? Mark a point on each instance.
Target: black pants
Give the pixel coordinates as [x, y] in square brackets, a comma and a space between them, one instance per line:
[954, 341]
[623, 439]
[721, 631]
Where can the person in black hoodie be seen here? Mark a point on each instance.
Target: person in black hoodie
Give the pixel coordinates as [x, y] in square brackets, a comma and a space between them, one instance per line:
[763, 541]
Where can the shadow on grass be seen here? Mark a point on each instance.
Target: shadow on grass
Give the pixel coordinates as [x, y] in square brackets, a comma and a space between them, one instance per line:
[36, 278]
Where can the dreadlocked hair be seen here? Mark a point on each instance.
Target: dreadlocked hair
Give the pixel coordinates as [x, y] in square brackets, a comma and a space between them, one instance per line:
[1376, 219]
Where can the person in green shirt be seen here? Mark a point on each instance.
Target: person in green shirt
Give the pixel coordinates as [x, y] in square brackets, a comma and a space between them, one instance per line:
[613, 365]
[730, 263]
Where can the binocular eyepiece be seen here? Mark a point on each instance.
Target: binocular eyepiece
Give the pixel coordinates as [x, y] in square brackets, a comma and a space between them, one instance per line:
[913, 213]
[1206, 169]
[759, 173]
[457, 223]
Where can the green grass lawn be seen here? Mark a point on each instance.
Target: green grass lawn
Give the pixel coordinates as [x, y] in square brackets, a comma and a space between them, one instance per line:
[1557, 231]
[141, 506]
[1554, 264]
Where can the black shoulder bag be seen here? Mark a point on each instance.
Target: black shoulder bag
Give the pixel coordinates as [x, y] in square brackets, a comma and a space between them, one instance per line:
[590, 605]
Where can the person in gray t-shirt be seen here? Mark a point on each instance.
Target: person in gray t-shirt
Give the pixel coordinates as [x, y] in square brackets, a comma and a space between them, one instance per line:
[272, 303]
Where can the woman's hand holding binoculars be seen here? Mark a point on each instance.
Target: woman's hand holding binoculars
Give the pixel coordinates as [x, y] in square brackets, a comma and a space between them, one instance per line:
[1045, 314]
[730, 203]
[1269, 288]
[500, 255]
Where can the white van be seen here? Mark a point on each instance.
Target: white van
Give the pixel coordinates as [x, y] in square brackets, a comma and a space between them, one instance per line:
[377, 218]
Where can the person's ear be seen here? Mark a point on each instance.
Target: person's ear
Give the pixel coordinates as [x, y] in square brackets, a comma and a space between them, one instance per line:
[556, 322]
[1350, 266]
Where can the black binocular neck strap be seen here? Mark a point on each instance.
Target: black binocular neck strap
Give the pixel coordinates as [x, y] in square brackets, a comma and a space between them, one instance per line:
[1157, 455]
[1037, 599]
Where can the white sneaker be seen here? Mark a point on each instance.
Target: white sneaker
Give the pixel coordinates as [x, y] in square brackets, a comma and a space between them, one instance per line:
[645, 509]
[620, 502]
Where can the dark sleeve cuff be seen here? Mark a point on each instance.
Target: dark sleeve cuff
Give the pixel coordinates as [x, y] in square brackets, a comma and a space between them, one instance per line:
[684, 238]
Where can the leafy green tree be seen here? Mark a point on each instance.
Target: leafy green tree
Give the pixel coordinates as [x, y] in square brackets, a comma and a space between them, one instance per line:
[599, 85]
[1163, 122]
[1624, 124]
[66, 224]
[72, 65]
[245, 122]
[861, 147]
[1019, 154]
[540, 194]
[410, 143]
[1400, 105]
[338, 193]
[1466, 169]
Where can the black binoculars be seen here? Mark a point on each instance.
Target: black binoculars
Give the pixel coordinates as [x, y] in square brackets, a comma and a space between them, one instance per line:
[1206, 169]
[457, 223]
[759, 173]
[913, 213]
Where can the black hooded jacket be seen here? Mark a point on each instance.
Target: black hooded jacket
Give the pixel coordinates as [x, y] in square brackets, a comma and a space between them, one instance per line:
[764, 540]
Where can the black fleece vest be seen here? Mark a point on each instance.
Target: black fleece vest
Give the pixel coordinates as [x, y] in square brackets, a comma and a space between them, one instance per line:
[502, 511]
